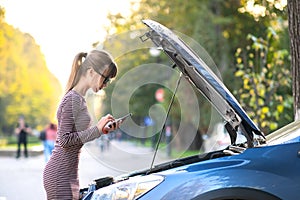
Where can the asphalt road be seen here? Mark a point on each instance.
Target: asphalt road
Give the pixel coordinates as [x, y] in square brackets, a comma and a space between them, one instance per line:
[22, 178]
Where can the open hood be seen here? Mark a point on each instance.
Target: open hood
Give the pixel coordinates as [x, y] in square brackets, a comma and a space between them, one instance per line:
[200, 75]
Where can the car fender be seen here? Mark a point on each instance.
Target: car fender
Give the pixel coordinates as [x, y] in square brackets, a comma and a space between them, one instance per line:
[234, 180]
[236, 193]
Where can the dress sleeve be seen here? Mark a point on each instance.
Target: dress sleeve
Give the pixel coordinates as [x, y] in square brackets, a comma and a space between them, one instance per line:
[70, 110]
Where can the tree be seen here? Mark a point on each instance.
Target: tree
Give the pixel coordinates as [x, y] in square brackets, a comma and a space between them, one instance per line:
[294, 30]
[220, 27]
[263, 69]
[27, 87]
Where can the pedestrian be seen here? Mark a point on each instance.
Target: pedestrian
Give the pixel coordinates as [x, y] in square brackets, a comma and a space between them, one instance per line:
[89, 71]
[22, 130]
[168, 135]
[50, 137]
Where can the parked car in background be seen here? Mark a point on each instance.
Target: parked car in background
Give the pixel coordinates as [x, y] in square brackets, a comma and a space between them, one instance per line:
[261, 167]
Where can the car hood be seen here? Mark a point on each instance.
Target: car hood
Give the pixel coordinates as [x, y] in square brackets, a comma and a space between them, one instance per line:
[199, 74]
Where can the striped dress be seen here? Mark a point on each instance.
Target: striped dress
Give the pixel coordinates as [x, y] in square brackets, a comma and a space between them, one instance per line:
[74, 129]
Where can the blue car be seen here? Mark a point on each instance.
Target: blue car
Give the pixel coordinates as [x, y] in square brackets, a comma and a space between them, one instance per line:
[261, 168]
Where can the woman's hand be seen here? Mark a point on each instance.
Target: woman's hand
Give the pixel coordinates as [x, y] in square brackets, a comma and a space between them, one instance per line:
[107, 124]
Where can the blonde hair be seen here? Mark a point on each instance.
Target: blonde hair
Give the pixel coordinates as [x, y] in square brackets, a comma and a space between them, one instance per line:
[99, 60]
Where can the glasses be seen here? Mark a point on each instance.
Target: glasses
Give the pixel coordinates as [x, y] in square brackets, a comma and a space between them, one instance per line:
[106, 78]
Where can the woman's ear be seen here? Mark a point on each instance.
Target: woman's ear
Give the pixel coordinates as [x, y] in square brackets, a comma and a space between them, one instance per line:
[90, 72]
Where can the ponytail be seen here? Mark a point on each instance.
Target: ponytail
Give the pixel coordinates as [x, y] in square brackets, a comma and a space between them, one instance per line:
[76, 72]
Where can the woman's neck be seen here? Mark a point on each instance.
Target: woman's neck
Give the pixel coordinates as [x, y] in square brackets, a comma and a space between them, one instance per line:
[80, 88]
[82, 93]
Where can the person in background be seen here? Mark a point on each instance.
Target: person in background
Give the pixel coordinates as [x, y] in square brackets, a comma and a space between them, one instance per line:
[50, 137]
[89, 71]
[22, 130]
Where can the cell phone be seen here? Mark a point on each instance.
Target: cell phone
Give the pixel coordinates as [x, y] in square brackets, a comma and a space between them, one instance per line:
[123, 118]
[109, 125]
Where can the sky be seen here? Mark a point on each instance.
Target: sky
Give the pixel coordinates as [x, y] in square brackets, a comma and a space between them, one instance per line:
[62, 28]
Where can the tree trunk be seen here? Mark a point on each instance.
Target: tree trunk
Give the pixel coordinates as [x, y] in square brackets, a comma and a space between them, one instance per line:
[294, 31]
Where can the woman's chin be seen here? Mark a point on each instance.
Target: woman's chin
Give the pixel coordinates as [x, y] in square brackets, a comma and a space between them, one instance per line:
[96, 90]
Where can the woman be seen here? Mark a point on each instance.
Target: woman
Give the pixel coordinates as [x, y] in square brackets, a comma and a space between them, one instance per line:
[92, 71]
[50, 138]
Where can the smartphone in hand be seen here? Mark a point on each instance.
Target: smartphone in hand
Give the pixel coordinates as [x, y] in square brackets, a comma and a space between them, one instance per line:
[112, 124]
[122, 119]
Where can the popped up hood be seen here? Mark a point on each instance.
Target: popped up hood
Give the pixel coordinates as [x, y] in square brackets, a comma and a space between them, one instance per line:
[200, 75]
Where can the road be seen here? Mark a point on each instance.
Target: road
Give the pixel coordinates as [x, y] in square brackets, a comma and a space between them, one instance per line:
[22, 178]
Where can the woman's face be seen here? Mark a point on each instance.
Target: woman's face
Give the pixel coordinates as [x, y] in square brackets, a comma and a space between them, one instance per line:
[97, 81]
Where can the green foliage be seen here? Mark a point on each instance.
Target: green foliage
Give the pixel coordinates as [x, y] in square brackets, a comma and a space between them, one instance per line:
[264, 10]
[26, 85]
[221, 27]
[264, 70]
[13, 140]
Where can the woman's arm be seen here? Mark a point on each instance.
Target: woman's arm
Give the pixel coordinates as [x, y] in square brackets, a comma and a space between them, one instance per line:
[70, 109]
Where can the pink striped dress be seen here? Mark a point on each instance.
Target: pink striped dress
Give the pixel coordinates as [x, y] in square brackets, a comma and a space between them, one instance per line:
[74, 129]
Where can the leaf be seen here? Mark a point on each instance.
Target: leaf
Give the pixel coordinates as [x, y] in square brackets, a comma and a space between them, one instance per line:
[273, 126]
[239, 73]
[264, 124]
[265, 110]
[280, 108]
[246, 84]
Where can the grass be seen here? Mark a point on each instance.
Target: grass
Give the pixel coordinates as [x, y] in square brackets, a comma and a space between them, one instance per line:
[14, 146]
[11, 142]
[174, 153]
[187, 153]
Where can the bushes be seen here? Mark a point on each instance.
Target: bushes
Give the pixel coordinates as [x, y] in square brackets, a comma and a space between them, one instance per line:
[12, 140]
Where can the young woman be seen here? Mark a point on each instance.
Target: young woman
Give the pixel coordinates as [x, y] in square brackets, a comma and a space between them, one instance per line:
[93, 70]
[49, 142]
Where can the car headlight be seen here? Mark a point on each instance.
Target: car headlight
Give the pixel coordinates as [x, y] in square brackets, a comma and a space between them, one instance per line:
[129, 189]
